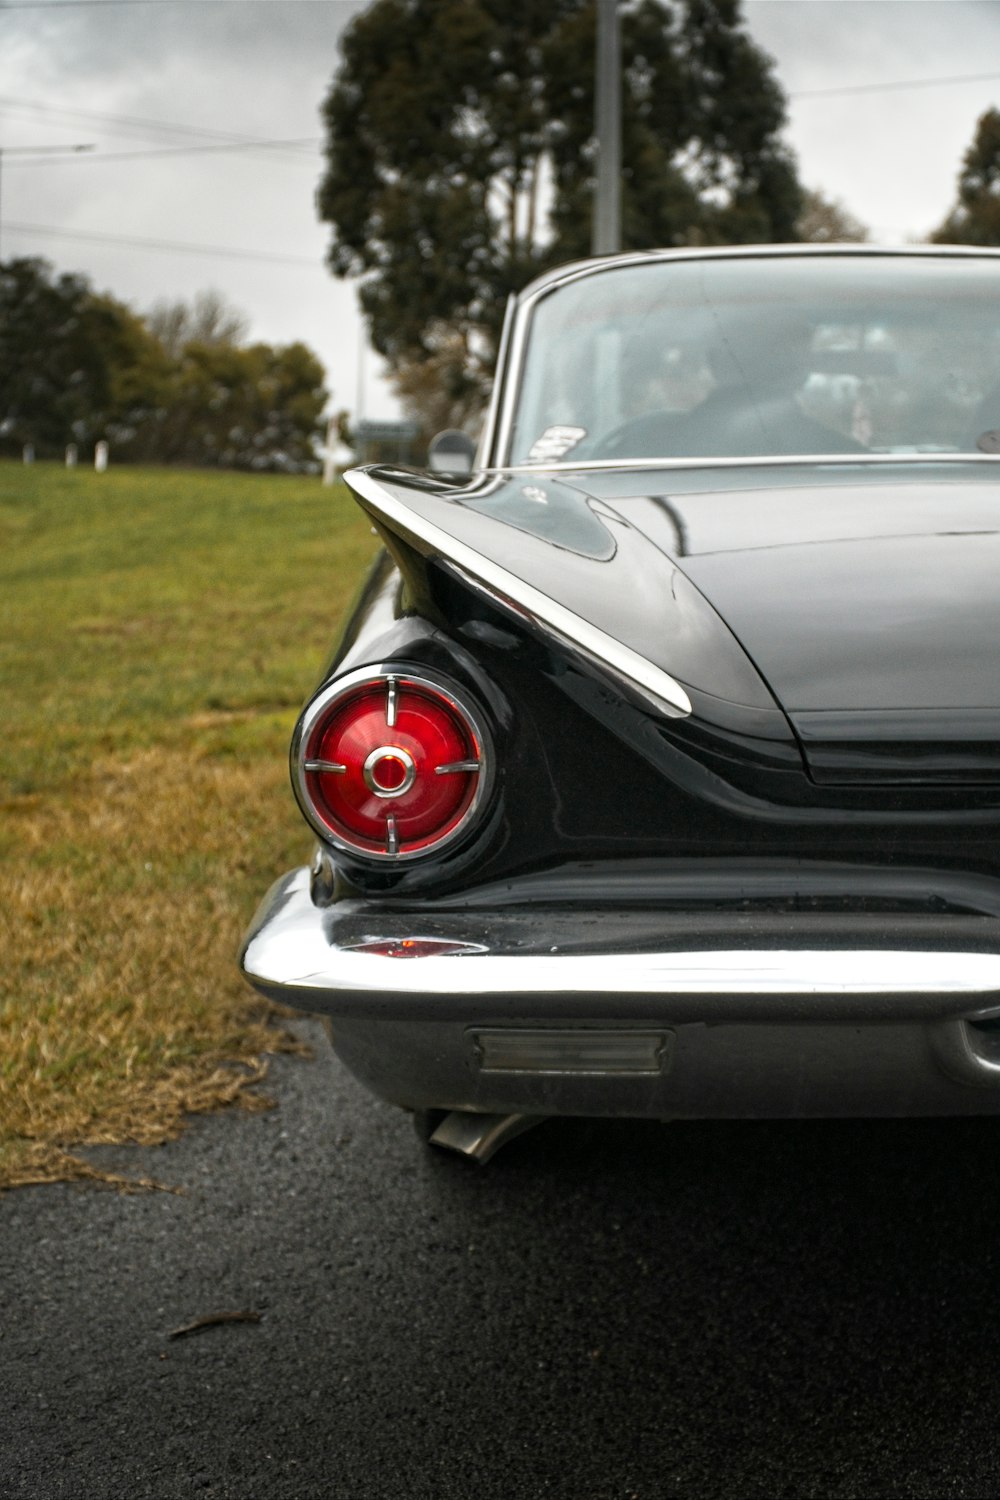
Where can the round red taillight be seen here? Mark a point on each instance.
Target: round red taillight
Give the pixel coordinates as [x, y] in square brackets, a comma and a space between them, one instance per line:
[389, 765]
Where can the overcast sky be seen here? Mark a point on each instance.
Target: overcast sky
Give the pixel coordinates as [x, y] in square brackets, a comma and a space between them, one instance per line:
[233, 71]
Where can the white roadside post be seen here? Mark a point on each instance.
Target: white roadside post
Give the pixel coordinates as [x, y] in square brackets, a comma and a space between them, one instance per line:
[101, 456]
[71, 455]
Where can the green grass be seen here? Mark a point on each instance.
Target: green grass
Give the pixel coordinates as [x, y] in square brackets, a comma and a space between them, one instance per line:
[158, 632]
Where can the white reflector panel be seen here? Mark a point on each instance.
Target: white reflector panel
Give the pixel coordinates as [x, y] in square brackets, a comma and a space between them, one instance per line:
[506, 1050]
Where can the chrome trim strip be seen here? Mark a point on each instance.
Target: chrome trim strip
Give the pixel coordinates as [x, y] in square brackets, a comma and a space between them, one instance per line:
[496, 394]
[329, 767]
[455, 766]
[545, 613]
[776, 461]
[391, 701]
[731, 972]
[292, 946]
[391, 836]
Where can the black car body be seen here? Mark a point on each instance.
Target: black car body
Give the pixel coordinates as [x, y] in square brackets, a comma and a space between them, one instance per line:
[657, 771]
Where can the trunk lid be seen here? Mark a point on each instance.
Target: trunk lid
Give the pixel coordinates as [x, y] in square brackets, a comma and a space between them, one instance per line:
[872, 611]
[857, 603]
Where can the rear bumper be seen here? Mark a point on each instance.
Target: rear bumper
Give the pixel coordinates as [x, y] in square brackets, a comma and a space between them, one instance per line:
[766, 1019]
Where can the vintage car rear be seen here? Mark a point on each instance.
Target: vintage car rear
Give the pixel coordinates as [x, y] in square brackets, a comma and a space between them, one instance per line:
[656, 772]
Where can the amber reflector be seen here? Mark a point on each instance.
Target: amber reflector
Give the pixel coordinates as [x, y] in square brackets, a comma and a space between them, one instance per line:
[390, 766]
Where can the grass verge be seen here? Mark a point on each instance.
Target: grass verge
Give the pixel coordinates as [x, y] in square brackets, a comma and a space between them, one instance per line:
[158, 633]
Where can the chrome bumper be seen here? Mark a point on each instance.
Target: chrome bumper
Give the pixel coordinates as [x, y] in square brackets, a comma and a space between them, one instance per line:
[752, 1030]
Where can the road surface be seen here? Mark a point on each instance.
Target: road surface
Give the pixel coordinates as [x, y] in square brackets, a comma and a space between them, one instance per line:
[619, 1311]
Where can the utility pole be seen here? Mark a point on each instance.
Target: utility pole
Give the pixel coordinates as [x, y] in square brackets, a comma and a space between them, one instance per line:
[359, 397]
[34, 151]
[606, 230]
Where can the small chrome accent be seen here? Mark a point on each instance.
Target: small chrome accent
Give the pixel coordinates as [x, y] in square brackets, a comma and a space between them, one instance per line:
[413, 946]
[330, 767]
[455, 766]
[322, 878]
[389, 752]
[951, 1041]
[391, 701]
[391, 836]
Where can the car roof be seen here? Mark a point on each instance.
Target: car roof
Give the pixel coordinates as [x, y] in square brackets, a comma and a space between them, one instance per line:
[596, 264]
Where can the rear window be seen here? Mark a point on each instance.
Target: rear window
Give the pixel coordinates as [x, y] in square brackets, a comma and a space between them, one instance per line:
[752, 357]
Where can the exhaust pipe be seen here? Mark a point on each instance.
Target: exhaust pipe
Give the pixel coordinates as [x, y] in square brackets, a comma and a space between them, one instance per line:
[480, 1136]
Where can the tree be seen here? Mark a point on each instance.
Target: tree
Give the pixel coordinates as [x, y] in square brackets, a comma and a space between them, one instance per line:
[74, 366]
[441, 389]
[461, 158]
[825, 221]
[229, 405]
[975, 219]
[208, 319]
[238, 408]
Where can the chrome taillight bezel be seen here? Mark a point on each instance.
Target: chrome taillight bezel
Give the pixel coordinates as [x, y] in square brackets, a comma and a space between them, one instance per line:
[394, 677]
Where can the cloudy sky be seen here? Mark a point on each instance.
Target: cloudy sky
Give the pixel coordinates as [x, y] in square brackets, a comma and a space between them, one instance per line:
[883, 100]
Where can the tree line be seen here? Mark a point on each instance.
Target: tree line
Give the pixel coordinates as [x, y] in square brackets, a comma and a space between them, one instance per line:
[177, 385]
[460, 162]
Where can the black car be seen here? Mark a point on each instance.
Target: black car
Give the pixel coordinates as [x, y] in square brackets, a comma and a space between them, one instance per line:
[657, 771]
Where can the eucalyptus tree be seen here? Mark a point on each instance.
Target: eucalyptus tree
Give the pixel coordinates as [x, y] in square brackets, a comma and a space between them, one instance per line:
[461, 155]
[975, 218]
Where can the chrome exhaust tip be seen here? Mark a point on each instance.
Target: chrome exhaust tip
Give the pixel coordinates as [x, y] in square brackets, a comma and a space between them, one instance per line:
[480, 1136]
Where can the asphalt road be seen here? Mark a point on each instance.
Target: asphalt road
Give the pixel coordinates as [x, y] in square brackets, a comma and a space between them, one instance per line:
[606, 1311]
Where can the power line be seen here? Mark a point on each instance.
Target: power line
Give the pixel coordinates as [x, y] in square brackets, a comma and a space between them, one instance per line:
[143, 125]
[42, 150]
[221, 146]
[900, 83]
[136, 122]
[75, 4]
[38, 151]
[228, 252]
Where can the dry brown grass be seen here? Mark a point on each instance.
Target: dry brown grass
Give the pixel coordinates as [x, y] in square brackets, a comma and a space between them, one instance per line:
[128, 1012]
[157, 635]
